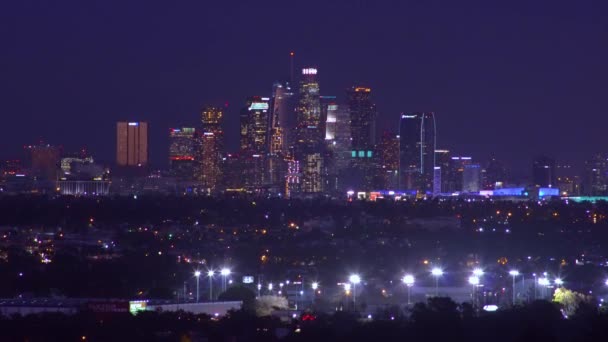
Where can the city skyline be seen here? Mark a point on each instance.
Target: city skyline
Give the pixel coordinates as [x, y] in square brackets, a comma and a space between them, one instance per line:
[487, 70]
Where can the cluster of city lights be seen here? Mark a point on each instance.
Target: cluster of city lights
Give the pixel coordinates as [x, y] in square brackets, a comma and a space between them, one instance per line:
[408, 280]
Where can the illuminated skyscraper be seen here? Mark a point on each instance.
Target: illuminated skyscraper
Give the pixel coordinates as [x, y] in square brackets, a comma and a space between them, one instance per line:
[308, 146]
[210, 146]
[132, 143]
[182, 152]
[363, 132]
[283, 117]
[595, 178]
[362, 118]
[443, 162]
[417, 139]
[456, 173]
[388, 151]
[255, 142]
[337, 146]
[281, 128]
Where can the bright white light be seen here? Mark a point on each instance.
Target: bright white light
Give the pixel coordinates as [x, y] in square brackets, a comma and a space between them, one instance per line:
[408, 280]
[606, 282]
[437, 272]
[478, 272]
[514, 273]
[197, 273]
[543, 281]
[355, 279]
[315, 286]
[270, 287]
[210, 273]
[490, 308]
[558, 282]
[474, 280]
[347, 287]
[225, 272]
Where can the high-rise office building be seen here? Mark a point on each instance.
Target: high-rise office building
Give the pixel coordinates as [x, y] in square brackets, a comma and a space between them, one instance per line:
[456, 176]
[281, 129]
[363, 132]
[182, 152]
[337, 146]
[388, 151]
[308, 145]
[495, 175]
[132, 143]
[282, 117]
[595, 179]
[544, 172]
[443, 162]
[255, 140]
[471, 177]
[417, 140]
[45, 161]
[210, 148]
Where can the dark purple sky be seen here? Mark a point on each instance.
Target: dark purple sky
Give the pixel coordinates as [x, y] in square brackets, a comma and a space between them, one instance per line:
[513, 78]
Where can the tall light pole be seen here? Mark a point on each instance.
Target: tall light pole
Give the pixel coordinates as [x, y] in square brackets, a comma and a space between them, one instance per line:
[314, 286]
[224, 272]
[474, 281]
[437, 272]
[210, 274]
[408, 280]
[544, 282]
[197, 274]
[354, 279]
[535, 282]
[513, 273]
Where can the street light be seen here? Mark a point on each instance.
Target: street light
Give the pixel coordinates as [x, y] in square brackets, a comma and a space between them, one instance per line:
[513, 273]
[354, 279]
[197, 274]
[224, 272]
[544, 282]
[437, 272]
[408, 280]
[270, 287]
[314, 286]
[478, 272]
[559, 282]
[210, 275]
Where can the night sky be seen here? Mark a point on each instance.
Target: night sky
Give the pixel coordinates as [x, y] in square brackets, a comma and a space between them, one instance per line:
[512, 78]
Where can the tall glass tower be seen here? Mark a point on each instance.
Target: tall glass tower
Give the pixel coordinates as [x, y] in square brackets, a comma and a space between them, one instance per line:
[417, 140]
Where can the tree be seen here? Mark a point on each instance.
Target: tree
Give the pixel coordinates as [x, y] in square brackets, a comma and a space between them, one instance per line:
[265, 305]
[239, 293]
[570, 301]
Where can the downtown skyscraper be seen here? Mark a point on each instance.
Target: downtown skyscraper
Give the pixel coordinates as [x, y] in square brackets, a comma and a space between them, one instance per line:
[255, 141]
[308, 144]
[210, 148]
[182, 152]
[132, 143]
[417, 140]
[363, 132]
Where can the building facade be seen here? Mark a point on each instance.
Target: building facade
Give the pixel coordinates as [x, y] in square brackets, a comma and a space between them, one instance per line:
[132, 143]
